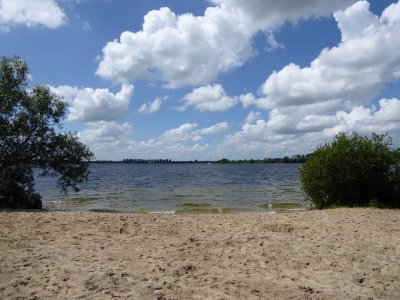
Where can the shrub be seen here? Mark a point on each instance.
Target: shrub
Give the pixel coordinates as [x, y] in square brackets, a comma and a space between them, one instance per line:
[353, 171]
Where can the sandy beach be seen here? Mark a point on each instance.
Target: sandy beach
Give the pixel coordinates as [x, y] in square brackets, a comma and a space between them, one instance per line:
[333, 254]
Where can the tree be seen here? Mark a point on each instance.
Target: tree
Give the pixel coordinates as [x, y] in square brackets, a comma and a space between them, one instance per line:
[31, 139]
[353, 171]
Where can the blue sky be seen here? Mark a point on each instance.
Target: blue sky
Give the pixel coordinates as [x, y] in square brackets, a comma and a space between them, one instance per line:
[212, 79]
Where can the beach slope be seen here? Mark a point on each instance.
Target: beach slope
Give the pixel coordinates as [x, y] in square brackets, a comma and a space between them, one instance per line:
[333, 254]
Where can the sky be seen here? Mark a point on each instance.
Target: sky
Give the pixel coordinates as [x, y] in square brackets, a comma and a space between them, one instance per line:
[212, 79]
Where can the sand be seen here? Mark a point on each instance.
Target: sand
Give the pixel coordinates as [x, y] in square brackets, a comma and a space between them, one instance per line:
[334, 254]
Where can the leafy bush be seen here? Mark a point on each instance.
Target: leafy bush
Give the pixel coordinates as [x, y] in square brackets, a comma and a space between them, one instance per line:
[353, 171]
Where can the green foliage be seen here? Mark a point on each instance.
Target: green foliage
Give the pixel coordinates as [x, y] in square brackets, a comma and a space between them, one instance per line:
[293, 159]
[353, 171]
[31, 138]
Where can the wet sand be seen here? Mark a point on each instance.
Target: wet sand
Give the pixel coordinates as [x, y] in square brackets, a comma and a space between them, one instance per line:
[333, 254]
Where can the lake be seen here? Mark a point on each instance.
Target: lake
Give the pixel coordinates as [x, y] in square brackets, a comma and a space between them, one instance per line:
[181, 188]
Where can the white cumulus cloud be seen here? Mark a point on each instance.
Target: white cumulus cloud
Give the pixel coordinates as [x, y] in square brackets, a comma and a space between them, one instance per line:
[152, 107]
[215, 129]
[108, 139]
[271, 13]
[209, 98]
[189, 132]
[370, 119]
[182, 133]
[188, 50]
[179, 50]
[105, 132]
[112, 140]
[31, 13]
[88, 105]
[294, 130]
[253, 116]
[367, 58]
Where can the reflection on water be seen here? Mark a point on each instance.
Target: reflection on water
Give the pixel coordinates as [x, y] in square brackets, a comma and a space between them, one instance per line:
[181, 188]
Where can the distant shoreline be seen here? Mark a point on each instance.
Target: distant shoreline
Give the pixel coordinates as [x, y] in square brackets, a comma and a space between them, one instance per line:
[244, 161]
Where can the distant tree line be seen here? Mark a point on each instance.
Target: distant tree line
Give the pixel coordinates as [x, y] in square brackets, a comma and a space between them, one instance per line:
[146, 161]
[299, 158]
[160, 161]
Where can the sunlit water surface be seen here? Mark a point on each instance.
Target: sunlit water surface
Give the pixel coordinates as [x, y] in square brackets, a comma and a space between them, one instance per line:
[181, 188]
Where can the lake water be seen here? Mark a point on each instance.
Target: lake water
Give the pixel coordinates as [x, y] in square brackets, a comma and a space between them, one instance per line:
[181, 188]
